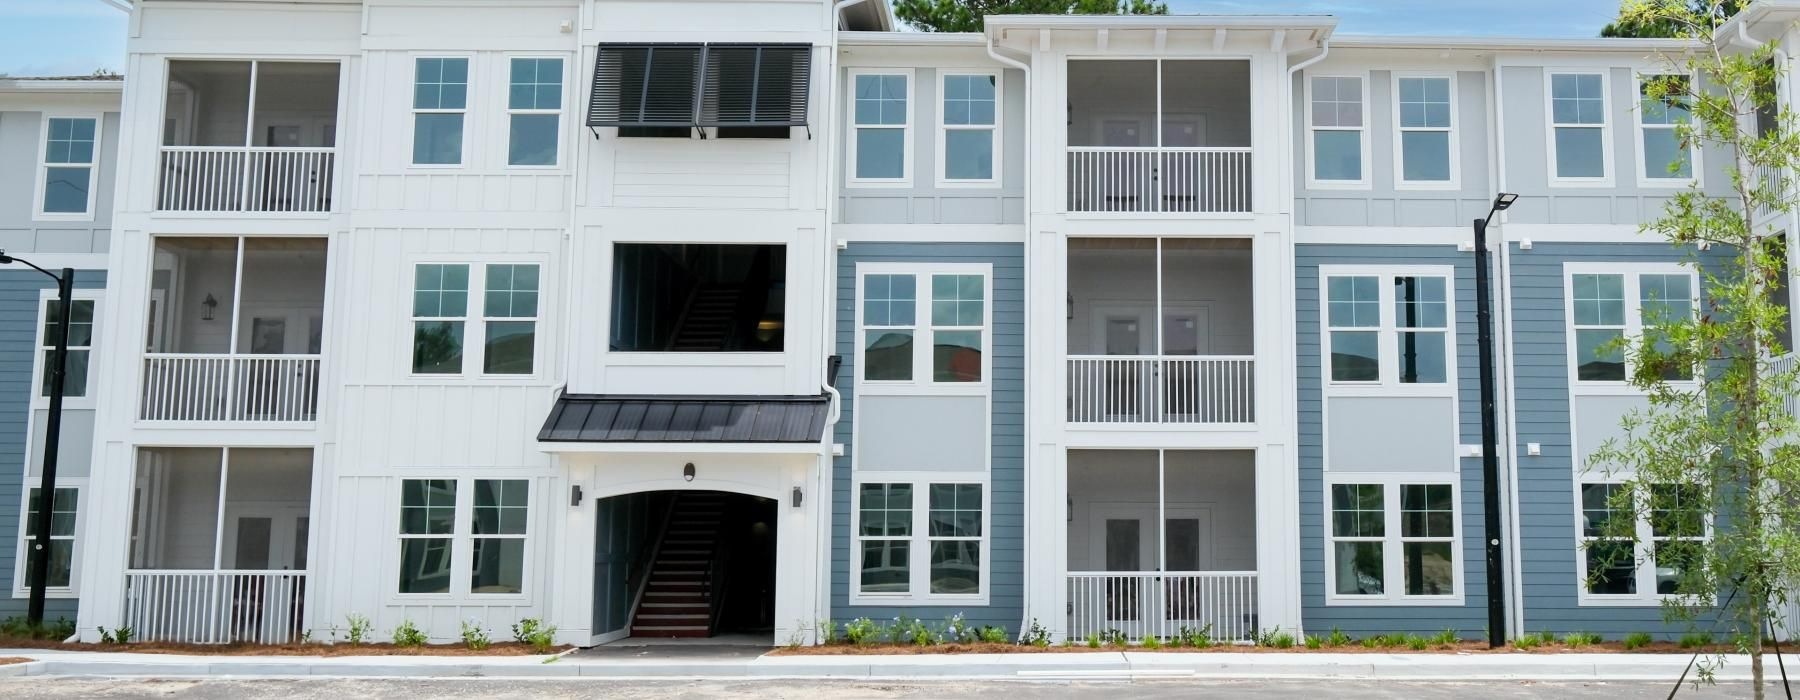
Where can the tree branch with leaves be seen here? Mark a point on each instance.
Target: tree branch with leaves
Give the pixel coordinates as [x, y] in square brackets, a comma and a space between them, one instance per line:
[966, 15]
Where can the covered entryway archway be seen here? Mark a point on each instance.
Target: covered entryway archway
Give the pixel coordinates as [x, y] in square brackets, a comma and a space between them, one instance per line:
[686, 564]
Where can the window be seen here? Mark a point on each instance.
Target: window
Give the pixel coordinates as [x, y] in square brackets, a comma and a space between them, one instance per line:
[1627, 560]
[534, 108]
[1366, 530]
[1375, 316]
[1578, 122]
[1600, 317]
[497, 529]
[944, 520]
[507, 324]
[670, 297]
[62, 537]
[1664, 158]
[66, 177]
[882, 134]
[1335, 113]
[440, 98]
[81, 341]
[1427, 140]
[969, 119]
[427, 533]
[956, 331]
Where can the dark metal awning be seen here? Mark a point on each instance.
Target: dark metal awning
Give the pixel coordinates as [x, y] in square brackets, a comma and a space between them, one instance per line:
[686, 419]
[700, 85]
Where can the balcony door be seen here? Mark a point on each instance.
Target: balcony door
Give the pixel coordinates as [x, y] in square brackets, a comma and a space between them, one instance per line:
[1125, 537]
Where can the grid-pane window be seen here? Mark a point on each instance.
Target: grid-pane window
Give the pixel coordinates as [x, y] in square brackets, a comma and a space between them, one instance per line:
[497, 529]
[955, 538]
[440, 309]
[881, 117]
[1662, 110]
[534, 108]
[1677, 536]
[1358, 528]
[440, 100]
[957, 311]
[1605, 530]
[1421, 320]
[427, 533]
[509, 317]
[1427, 539]
[70, 153]
[889, 323]
[1337, 128]
[1425, 129]
[970, 126]
[81, 342]
[884, 532]
[1599, 316]
[1353, 315]
[1578, 124]
[62, 535]
[1663, 300]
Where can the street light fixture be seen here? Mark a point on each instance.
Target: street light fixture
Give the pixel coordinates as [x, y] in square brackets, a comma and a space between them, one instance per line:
[1490, 462]
[59, 361]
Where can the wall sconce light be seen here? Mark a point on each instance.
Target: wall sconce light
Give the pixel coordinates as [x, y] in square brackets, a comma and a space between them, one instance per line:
[687, 471]
[1069, 512]
[207, 306]
[575, 494]
[798, 497]
[1071, 307]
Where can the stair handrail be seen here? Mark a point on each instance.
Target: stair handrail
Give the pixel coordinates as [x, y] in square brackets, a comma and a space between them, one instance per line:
[715, 570]
[643, 575]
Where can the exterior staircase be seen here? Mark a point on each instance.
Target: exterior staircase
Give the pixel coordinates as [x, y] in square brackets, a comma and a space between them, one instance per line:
[679, 594]
[708, 320]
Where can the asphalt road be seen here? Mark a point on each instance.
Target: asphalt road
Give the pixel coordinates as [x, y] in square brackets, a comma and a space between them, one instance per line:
[488, 689]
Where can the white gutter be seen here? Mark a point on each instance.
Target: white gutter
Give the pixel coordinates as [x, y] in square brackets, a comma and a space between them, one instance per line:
[1287, 144]
[1026, 173]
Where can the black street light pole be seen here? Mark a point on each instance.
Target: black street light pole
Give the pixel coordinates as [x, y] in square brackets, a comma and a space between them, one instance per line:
[39, 565]
[1490, 461]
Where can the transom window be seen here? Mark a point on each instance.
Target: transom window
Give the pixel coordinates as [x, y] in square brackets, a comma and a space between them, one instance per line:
[1366, 529]
[882, 130]
[66, 173]
[440, 526]
[970, 128]
[1665, 159]
[1427, 142]
[1578, 124]
[895, 521]
[1642, 559]
[507, 323]
[956, 332]
[1335, 116]
[1370, 318]
[1600, 317]
[534, 111]
[440, 100]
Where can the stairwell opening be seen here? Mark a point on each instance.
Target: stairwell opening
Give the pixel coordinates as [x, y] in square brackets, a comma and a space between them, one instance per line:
[685, 564]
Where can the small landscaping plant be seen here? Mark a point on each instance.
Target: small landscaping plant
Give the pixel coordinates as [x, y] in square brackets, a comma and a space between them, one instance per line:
[359, 628]
[533, 632]
[1093, 640]
[1196, 638]
[958, 631]
[1577, 640]
[861, 631]
[473, 636]
[120, 635]
[407, 634]
[1314, 641]
[1374, 642]
[21, 628]
[1275, 638]
[1416, 642]
[1116, 638]
[1637, 640]
[1696, 640]
[1152, 643]
[1337, 638]
[994, 635]
[1037, 636]
[1530, 640]
[827, 632]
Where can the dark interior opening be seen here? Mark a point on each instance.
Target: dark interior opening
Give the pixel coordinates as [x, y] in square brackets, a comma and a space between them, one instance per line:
[674, 297]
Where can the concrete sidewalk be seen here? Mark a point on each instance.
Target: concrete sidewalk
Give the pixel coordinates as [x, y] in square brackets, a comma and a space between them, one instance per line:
[1024, 666]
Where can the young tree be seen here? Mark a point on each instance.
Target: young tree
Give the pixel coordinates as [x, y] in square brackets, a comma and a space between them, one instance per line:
[965, 15]
[1720, 453]
[1641, 25]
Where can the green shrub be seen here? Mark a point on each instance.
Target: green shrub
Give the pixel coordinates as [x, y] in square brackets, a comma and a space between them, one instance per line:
[1374, 642]
[1446, 638]
[957, 630]
[1196, 638]
[1037, 636]
[1152, 643]
[1093, 640]
[121, 635]
[1531, 640]
[407, 634]
[1337, 638]
[1696, 640]
[994, 635]
[1314, 641]
[533, 632]
[861, 631]
[1115, 638]
[1416, 642]
[1577, 640]
[1637, 640]
[1275, 638]
[473, 636]
[359, 628]
[19, 627]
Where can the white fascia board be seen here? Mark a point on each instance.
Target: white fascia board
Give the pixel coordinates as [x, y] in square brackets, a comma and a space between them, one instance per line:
[28, 86]
[1351, 41]
[772, 448]
[1321, 23]
[911, 39]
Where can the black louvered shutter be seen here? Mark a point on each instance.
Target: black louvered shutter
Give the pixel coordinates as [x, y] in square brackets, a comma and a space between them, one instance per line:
[756, 85]
[645, 85]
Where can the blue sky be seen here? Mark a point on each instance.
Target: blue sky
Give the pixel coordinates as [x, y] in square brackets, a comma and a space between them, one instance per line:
[71, 37]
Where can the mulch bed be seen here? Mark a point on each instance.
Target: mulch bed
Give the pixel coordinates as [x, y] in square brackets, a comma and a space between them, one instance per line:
[341, 649]
[8, 660]
[1462, 648]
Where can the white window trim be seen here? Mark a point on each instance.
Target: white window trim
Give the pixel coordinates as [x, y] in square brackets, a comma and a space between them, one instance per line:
[462, 542]
[21, 587]
[919, 553]
[943, 136]
[1386, 338]
[1393, 545]
[475, 320]
[563, 101]
[43, 167]
[924, 331]
[1312, 181]
[1634, 321]
[413, 112]
[906, 156]
[1643, 565]
[38, 400]
[1605, 126]
[1639, 127]
[1455, 133]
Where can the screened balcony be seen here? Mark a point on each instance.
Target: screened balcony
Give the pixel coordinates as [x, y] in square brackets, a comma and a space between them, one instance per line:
[249, 136]
[1161, 331]
[1159, 136]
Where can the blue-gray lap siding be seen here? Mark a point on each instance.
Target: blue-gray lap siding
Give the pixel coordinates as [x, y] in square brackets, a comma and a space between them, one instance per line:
[1006, 540]
[19, 294]
[1546, 482]
[1470, 618]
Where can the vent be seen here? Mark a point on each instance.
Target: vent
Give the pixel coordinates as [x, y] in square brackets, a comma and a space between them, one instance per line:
[755, 85]
[645, 85]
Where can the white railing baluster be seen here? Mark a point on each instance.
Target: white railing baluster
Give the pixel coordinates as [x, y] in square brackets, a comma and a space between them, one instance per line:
[214, 607]
[1161, 389]
[1140, 604]
[1208, 180]
[225, 387]
[251, 179]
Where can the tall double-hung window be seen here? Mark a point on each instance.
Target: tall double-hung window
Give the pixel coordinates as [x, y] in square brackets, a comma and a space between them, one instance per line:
[1426, 120]
[499, 331]
[923, 537]
[534, 111]
[1393, 540]
[1628, 559]
[1606, 307]
[478, 527]
[936, 340]
[1578, 128]
[969, 128]
[1663, 108]
[1336, 119]
[1388, 328]
[66, 175]
[881, 127]
[440, 103]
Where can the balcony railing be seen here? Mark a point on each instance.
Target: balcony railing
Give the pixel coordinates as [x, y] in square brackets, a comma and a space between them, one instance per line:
[1159, 180]
[1775, 180]
[1162, 605]
[1162, 389]
[1781, 364]
[246, 179]
[223, 387]
[215, 607]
